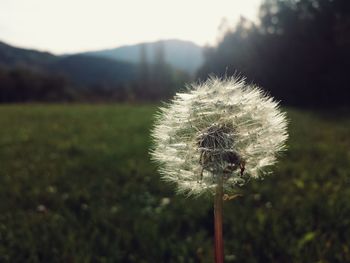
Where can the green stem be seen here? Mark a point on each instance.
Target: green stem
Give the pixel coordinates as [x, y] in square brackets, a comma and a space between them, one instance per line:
[218, 207]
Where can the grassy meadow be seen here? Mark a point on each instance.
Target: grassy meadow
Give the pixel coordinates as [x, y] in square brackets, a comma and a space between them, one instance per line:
[77, 185]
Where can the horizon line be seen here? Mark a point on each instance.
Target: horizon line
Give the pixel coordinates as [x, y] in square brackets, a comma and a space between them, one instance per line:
[32, 48]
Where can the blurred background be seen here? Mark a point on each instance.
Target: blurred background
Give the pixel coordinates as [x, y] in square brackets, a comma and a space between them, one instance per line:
[80, 82]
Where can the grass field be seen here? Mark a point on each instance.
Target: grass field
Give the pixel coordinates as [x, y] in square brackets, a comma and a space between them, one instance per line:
[77, 185]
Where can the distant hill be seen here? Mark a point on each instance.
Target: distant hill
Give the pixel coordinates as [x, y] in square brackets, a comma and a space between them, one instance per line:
[82, 70]
[183, 55]
[19, 57]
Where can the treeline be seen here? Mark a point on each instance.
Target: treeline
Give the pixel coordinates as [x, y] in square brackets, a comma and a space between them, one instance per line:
[25, 85]
[299, 51]
[158, 80]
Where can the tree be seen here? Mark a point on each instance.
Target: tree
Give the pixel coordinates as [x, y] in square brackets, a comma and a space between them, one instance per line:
[299, 51]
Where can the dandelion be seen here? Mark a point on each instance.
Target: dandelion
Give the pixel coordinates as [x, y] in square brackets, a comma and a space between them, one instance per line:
[220, 128]
[217, 136]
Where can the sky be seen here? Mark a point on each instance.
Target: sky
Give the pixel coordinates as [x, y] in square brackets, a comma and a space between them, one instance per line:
[68, 26]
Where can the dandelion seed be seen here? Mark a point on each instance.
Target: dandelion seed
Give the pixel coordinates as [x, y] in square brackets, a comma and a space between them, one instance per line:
[164, 201]
[41, 208]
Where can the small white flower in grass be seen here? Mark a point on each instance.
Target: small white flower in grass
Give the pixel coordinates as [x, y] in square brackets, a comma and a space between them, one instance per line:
[222, 127]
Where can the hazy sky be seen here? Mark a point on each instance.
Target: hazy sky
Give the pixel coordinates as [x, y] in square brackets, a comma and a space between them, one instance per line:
[63, 26]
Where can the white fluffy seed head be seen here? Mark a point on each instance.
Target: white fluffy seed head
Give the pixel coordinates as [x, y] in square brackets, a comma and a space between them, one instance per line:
[222, 127]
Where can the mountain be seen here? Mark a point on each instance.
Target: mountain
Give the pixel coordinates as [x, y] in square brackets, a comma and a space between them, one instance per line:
[183, 55]
[81, 70]
[19, 57]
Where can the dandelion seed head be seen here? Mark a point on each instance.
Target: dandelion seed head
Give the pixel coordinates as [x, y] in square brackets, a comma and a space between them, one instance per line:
[221, 127]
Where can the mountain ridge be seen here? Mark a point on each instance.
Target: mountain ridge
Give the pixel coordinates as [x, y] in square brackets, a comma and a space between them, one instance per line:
[180, 54]
[108, 68]
[81, 70]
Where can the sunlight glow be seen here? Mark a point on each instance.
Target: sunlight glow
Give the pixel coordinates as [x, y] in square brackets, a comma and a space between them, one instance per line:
[70, 26]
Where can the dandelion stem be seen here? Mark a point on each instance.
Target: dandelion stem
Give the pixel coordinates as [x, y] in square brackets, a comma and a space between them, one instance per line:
[218, 205]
